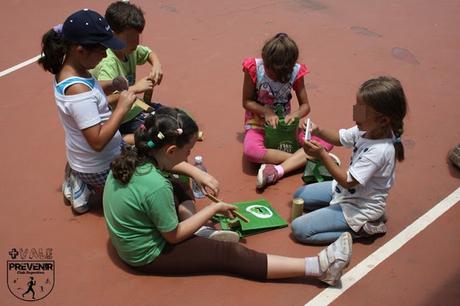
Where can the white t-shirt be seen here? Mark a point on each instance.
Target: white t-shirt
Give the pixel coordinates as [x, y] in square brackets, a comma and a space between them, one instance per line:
[81, 111]
[372, 165]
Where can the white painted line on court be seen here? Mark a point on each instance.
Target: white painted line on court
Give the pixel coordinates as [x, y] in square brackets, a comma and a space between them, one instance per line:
[328, 295]
[19, 66]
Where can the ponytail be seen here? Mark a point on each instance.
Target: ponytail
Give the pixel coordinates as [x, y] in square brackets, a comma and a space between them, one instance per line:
[54, 49]
[398, 130]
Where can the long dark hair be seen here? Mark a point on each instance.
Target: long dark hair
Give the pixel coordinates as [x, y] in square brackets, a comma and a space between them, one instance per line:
[280, 54]
[165, 127]
[386, 95]
[54, 49]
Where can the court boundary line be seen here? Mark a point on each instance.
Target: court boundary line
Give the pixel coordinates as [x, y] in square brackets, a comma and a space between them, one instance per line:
[19, 66]
[330, 294]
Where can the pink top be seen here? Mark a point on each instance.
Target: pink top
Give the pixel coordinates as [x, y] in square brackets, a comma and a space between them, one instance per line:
[271, 93]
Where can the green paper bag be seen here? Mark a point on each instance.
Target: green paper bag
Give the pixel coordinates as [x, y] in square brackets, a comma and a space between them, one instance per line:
[315, 172]
[261, 215]
[283, 137]
[132, 113]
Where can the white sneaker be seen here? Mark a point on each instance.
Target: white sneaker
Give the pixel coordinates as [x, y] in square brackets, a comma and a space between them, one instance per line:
[221, 235]
[66, 185]
[335, 258]
[79, 194]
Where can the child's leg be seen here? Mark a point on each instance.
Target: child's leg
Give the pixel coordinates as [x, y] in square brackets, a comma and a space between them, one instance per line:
[255, 151]
[321, 226]
[295, 161]
[327, 266]
[183, 199]
[204, 256]
[315, 195]
[270, 174]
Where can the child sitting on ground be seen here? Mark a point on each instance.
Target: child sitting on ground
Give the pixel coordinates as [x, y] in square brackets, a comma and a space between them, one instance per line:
[355, 200]
[266, 91]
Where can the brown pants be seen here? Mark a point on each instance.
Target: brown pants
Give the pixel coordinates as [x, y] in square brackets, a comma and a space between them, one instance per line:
[199, 255]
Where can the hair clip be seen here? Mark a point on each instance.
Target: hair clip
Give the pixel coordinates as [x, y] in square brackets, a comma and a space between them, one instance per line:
[58, 28]
[397, 140]
[152, 113]
[179, 131]
[150, 144]
[281, 34]
[160, 135]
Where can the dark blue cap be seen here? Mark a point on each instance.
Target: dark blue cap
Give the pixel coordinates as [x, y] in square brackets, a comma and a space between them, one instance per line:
[87, 27]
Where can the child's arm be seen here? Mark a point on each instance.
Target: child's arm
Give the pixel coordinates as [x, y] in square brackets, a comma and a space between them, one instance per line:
[142, 85]
[156, 74]
[302, 97]
[249, 104]
[201, 177]
[99, 135]
[186, 228]
[327, 135]
[314, 149]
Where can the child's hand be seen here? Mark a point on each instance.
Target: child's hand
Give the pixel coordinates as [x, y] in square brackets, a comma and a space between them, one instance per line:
[271, 118]
[143, 85]
[314, 149]
[289, 118]
[207, 181]
[314, 129]
[156, 74]
[225, 208]
[126, 100]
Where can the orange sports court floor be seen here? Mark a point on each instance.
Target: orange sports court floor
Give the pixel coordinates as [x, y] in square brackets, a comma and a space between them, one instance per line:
[201, 45]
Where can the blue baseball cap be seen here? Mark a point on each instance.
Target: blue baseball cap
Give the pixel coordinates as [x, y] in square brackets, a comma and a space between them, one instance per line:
[87, 27]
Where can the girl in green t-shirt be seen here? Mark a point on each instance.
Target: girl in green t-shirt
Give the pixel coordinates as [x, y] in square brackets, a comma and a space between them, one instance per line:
[152, 234]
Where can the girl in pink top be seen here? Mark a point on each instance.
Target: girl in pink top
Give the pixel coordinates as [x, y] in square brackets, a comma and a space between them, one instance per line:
[267, 87]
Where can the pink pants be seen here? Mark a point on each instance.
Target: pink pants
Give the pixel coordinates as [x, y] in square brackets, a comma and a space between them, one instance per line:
[254, 147]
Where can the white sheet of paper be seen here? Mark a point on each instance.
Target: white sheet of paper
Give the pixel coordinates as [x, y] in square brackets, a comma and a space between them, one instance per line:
[308, 130]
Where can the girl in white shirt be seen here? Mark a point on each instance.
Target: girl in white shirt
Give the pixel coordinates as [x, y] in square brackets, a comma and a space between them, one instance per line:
[355, 200]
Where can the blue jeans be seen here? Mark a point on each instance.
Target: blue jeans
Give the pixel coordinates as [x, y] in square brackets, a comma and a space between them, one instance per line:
[324, 223]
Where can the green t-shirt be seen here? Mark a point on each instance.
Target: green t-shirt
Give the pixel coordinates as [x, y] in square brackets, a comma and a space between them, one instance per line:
[111, 66]
[137, 212]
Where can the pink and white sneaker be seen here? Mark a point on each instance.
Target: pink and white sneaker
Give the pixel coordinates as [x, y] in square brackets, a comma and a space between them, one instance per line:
[267, 175]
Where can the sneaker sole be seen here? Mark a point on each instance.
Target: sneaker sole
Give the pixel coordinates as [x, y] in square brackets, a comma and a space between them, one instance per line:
[227, 236]
[260, 177]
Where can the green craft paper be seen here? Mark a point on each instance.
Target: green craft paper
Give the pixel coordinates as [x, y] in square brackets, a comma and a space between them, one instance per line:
[261, 215]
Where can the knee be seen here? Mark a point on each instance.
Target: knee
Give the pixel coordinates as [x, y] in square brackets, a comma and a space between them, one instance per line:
[299, 191]
[253, 153]
[301, 230]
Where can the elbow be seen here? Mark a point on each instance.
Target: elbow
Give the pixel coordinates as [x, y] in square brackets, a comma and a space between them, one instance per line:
[98, 147]
[345, 184]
